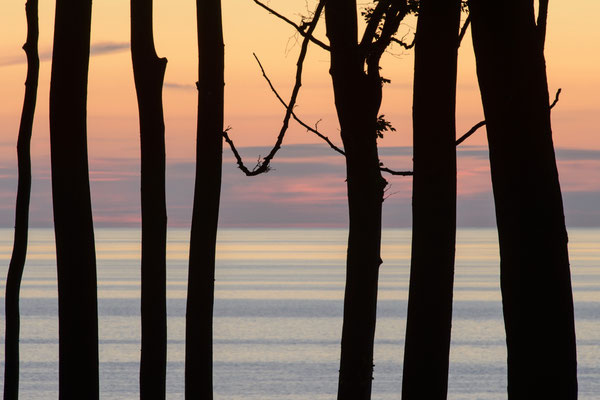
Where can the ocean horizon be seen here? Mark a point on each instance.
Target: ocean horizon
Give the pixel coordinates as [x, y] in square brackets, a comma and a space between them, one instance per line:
[278, 313]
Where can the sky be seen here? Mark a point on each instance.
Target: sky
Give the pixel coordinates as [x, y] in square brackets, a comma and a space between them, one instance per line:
[306, 187]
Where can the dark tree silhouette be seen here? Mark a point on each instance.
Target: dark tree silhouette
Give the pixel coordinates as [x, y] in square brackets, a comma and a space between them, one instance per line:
[19, 253]
[74, 231]
[535, 276]
[149, 71]
[357, 89]
[209, 149]
[357, 101]
[429, 320]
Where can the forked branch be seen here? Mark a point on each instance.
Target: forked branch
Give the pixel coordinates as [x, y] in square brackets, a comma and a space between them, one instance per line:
[374, 20]
[394, 14]
[263, 165]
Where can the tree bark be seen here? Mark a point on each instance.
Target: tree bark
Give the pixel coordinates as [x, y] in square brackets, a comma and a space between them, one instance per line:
[75, 252]
[209, 149]
[357, 100]
[429, 321]
[535, 276]
[19, 253]
[149, 71]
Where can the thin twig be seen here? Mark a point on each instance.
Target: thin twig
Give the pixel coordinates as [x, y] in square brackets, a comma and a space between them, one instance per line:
[478, 125]
[299, 28]
[556, 98]
[263, 166]
[470, 132]
[463, 30]
[238, 158]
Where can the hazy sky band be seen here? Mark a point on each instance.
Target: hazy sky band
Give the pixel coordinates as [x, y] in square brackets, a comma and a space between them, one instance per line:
[306, 188]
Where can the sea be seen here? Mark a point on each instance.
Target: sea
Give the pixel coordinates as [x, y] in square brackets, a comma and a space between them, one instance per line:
[278, 314]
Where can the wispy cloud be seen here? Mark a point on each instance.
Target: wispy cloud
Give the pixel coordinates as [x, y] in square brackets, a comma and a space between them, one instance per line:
[96, 49]
[179, 86]
[108, 47]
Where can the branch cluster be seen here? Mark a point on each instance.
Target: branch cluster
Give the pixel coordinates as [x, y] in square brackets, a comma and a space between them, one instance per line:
[383, 21]
[306, 29]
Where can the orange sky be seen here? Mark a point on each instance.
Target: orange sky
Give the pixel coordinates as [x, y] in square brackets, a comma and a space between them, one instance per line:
[573, 58]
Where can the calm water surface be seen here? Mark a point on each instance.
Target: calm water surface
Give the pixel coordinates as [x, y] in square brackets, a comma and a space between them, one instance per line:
[278, 314]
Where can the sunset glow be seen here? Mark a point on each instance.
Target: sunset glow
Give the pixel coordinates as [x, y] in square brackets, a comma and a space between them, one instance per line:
[300, 185]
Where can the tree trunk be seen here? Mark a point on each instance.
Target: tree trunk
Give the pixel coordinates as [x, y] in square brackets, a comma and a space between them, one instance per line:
[535, 276]
[74, 231]
[19, 253]
[149, 71]
[427, 345]
[357, 100]
[209, 149]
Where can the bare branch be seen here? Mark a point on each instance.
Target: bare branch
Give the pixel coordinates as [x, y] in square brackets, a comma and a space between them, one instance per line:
[263, 166]
[238, 158]
[463, 30]
[556, 98]
[308, 128]
[402, 43]
[478, 125]
[320, 135]
[471, 131]
[397, 173]
[300, 28]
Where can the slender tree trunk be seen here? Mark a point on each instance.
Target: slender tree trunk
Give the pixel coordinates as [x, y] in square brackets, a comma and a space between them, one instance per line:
[357, 99]
[535, 275]
[427, 345]
[74, 231]
[19, 253]
[149, 72]
[209, 149]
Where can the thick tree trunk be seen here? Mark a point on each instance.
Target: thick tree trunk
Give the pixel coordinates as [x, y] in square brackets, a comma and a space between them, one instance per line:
[427, 345]
[535, 276]
[209, 149]
[149, 71]
[357, 99]
[74, 231]
[19, 253]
